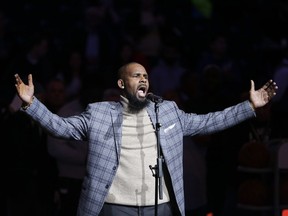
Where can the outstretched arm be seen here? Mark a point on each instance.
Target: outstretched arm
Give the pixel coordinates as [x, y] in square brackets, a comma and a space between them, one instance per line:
[25, 92]
[260, 97]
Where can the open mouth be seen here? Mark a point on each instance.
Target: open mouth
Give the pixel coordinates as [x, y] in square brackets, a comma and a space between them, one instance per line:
[142, 91]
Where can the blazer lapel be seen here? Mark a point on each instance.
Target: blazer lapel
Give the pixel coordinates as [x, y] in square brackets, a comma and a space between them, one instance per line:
[152, 113]
[117, 118]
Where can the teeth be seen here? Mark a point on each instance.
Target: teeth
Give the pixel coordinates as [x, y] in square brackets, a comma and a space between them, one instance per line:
[141, 93]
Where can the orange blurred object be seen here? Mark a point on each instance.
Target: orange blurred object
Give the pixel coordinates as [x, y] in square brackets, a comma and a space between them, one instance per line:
[285, 212]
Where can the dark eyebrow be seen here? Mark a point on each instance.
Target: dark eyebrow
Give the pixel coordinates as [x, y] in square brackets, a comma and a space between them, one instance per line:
[139, 73]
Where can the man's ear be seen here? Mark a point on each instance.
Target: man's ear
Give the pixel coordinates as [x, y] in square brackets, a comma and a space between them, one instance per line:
[120, 83]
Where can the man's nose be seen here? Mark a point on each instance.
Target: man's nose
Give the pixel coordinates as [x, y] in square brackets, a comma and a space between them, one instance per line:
[143, 79]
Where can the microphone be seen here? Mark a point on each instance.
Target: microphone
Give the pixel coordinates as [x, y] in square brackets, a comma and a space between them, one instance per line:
[154, 98]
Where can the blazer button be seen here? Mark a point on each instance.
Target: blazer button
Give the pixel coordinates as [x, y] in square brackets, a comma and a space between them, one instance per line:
[114, 168]
[107, 186]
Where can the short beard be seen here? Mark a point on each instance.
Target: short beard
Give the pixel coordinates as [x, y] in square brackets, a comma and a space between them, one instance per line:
[135, 105]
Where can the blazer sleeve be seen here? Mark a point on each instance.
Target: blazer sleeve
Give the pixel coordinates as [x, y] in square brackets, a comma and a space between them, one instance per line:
[217, 121]
[73, 127]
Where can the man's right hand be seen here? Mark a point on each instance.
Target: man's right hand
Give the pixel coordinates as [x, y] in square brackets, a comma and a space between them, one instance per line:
[25, 92]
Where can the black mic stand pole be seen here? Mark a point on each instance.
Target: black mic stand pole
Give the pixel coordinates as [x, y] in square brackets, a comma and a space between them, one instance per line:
[158, 167]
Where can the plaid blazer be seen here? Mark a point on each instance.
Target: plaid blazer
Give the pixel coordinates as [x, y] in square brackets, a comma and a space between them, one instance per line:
[101, 123]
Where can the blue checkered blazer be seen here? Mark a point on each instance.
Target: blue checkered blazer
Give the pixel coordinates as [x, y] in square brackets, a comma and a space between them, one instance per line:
[100, 124]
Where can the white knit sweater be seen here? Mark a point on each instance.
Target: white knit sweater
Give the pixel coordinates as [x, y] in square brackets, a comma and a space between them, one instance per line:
[134, 183]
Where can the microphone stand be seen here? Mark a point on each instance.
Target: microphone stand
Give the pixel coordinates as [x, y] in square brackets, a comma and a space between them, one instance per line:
[158, 174]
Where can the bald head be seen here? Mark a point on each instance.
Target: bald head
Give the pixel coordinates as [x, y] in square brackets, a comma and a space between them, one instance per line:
[125, 68]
